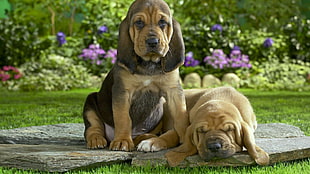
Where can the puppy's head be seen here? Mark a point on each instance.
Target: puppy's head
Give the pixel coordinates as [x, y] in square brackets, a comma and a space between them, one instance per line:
[221, 132]
[217, 130]
[149, 32]
[217, 134]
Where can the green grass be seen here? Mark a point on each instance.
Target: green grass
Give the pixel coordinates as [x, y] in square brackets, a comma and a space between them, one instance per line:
[20, 109]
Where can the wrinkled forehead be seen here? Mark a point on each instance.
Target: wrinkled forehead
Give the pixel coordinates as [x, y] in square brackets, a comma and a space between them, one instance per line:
[149, 6]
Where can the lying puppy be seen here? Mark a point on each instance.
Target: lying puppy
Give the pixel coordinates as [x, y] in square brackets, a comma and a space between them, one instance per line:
[142, 92]
[222, 122]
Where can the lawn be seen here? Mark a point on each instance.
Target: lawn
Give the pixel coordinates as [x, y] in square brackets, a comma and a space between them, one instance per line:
[20, 109]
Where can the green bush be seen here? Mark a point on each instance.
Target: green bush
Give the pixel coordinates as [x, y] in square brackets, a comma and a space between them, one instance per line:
[298, 32]
[270, 15]
[103, 13]
[18, 42]
[274, 75]
[50, 16]
[187, 11]
[53, 72]
[71, 49]
[251, 43]
[202, 41]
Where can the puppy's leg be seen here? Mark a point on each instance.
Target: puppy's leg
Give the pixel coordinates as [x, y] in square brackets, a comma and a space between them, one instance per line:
[137, 140]
[94, 134]
[175, 110]
[258, 154]
[175, 121]
[165, 141]
[94, 128]
[122, 122]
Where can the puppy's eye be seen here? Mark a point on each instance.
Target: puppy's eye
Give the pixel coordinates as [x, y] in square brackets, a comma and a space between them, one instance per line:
[202, 129]
[228, 127]
[139, 24]
[162, 23]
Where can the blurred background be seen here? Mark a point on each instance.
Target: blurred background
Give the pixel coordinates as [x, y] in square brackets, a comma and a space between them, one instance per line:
[266, 43]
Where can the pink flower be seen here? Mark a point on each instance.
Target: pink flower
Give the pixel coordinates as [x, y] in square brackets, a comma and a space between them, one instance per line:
[5, 77]
[8, 72]
[17, 76]
[6, 68]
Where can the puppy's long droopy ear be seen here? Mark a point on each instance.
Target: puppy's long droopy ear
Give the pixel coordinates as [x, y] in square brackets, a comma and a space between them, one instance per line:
[126, 57]
[177, 155]
[176, 54]
[259, 155]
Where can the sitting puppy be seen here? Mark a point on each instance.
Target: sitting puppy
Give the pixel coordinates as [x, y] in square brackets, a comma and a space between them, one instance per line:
[142, 93]
[222, 122]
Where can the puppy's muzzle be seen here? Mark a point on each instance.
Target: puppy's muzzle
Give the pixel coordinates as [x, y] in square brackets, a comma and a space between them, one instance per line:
[214, 146]
[152, 43]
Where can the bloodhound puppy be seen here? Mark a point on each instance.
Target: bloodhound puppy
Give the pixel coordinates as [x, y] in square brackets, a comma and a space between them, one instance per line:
[222, 122]
[141, 95]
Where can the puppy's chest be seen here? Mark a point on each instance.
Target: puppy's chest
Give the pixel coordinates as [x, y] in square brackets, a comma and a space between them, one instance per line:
[147, 83]
[146, 107]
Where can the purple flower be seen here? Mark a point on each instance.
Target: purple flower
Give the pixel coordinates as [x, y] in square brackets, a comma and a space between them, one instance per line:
[236, 48]
[190, 61]
[61, 38]
[99, 62]
[217, 60]
[94, 53]
[235, 53]
[268, 43]
[102, 29]
[112, 53]
[217, 27]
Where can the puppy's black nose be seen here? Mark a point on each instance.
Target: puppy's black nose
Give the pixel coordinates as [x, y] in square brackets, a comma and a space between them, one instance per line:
[214, 147]
[152, 42]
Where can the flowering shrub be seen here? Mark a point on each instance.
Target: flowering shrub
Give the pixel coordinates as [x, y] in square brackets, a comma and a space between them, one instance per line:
[98, 60]
[190, 61]
[9, 73]
[53, 72]
[239, 60]
[217, 27]
[268, 43]
[263, 46]
[61, 38]
[111, 54]
[276, 75]
[297, 29]
[202, 38]
[9, 76]
[219, 63]
[218, 60]
[102, 29]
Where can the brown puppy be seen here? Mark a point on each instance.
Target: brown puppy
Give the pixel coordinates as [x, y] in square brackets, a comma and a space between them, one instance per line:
[142, 93]
[222, 122]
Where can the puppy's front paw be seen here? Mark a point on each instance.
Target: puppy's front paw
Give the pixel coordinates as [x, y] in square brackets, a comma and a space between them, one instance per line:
[152, 145]
[122, 145]
[96, 141]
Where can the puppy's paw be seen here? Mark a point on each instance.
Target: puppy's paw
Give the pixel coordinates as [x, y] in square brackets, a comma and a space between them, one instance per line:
[96, 141]
[122, 145]
[262, 157]
[152, 145]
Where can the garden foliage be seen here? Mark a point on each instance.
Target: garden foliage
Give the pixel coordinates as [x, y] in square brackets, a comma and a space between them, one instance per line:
[53, 72]
[86, 32]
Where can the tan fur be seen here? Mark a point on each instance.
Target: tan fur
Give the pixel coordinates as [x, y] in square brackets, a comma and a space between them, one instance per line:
[222, 121]
[144, 72]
